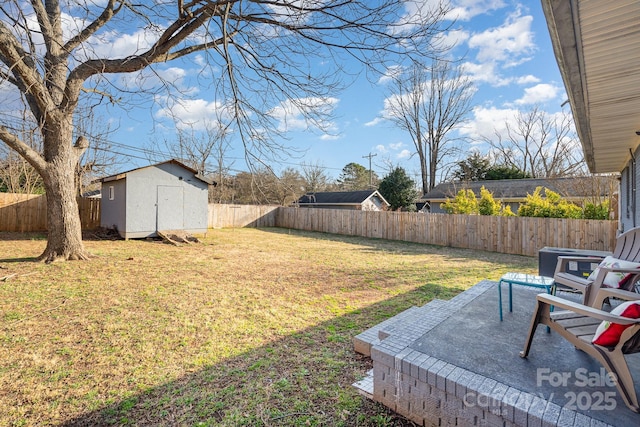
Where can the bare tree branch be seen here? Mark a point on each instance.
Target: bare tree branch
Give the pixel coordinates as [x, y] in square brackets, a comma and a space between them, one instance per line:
[539, 144]
[276, 56]
[429, 103]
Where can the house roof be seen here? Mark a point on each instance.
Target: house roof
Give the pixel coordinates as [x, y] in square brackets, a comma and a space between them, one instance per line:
[517, 189]
[123, 175]
[597, 47]
[339, 197]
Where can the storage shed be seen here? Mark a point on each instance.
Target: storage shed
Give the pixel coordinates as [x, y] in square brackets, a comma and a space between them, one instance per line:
[167, 196]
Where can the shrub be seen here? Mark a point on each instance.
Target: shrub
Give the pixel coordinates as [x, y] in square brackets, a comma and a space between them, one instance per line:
[551, 205]
[487, 204]
[465, 202]
[596, 211]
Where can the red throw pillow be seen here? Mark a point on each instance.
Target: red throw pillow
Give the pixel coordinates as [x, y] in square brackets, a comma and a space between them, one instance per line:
[608, 334]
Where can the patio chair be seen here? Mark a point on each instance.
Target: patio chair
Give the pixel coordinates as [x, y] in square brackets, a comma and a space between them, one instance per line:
[626, 252]
[578, 324]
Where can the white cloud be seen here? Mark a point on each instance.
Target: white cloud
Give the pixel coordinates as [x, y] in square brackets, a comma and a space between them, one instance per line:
[147, 79]
[329, 137]
[464, 10]
[394, 150]
[114, 44]
[487, 121]
[375, 121]
[540, 93]
[415, 13]
[491, 123]
[453, 38]
[498, 48]
[391, 73]
[197, 114]
[292, 114]
[524, 80]
[485, 73]
[200, 60]
[510, 43]
[404, 154]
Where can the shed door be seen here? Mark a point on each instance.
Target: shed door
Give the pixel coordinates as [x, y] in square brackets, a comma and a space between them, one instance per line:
[170, 208]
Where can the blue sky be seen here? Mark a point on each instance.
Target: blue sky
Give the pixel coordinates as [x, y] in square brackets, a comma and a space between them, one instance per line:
[508, 56]
[507, 53]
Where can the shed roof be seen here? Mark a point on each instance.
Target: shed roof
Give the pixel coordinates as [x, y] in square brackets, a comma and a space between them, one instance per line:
[517, 189]
[339, 197]
[123, 175]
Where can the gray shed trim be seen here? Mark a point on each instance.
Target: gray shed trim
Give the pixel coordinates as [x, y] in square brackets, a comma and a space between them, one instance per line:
[123, 175]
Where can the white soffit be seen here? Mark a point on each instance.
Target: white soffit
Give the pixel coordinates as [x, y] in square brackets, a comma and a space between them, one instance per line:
[611, 46]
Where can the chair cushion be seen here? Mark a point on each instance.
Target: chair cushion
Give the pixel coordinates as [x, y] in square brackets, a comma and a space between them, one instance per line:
[608, 334]
[614, 279]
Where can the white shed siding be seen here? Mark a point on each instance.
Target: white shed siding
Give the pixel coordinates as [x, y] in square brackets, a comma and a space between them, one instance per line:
[166, 196]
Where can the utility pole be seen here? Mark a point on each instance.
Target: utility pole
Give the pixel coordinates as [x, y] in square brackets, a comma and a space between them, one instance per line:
[370, 171]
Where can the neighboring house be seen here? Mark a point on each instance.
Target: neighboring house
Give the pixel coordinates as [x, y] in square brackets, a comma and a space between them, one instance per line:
[513, 192]
[366, 200]
[597, 46]
[168, 196]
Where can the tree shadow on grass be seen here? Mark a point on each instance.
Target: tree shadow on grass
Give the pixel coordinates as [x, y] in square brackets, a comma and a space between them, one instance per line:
[26, 259]
[301, 379]
[16, 235]
[393, 246]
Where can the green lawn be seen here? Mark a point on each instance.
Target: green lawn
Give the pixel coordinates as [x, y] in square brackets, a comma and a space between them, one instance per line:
[250, 327]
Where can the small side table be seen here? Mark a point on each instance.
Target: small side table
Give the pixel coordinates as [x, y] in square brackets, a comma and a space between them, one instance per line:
[542, 282]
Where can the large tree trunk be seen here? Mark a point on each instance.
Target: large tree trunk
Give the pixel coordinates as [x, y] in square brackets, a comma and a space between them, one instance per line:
[63, 216]
[64, 240]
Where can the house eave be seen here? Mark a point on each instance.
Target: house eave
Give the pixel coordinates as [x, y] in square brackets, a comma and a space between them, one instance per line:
[597, 47]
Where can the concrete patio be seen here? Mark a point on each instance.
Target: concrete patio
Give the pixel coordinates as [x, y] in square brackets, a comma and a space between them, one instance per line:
[454, 363]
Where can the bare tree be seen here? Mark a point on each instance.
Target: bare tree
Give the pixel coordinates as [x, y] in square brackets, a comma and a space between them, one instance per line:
[540, 144]
[290, 186]
[315, 177]
[263, 187]
[19, 176]
[267, 51]
[16, 174]
[99, 158]
[429, 102]
[201, 149]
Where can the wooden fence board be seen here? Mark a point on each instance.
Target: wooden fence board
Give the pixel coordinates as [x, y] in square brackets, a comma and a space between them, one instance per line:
[513, 235]
[28, 212]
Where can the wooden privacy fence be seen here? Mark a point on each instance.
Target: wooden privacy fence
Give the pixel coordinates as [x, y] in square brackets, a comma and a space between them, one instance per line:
[222, 216]
[512, 235]
[28, 212]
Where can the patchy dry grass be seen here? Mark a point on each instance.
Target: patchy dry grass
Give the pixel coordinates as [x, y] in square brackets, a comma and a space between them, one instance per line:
[251, 327]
